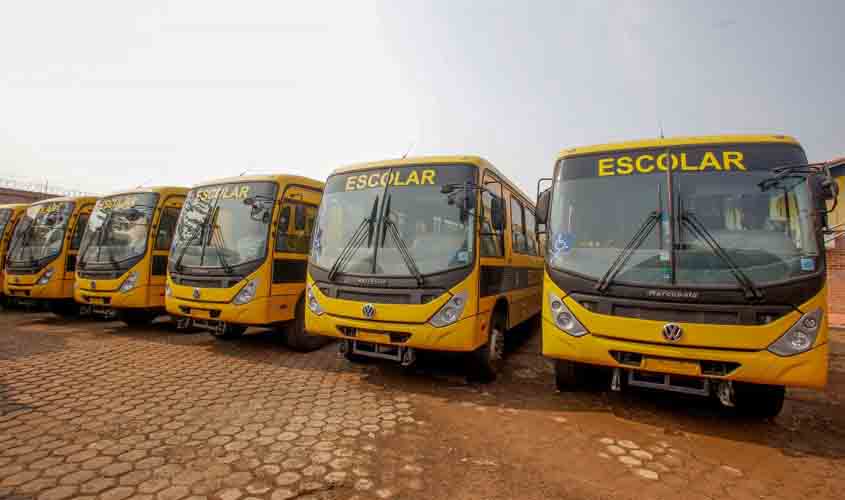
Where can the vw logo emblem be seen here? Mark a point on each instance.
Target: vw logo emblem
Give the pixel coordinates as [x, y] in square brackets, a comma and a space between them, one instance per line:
[672, 332]
[93, 285]
[369, 310]
[196, 293]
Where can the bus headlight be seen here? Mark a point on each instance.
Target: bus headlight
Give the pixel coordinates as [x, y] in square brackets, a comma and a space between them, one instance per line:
[45, 278]
[313, 303]
[247, 293]
[129, 283]
[564, 319]
[451, 311]
[800, 337]
[168, 292]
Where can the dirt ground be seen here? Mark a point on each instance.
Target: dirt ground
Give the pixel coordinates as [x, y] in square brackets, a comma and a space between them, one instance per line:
[97, 410]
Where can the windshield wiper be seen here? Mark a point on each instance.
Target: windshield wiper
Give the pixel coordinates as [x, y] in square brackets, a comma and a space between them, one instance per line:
[355, 242]
[219, 243]
[388, 224]
[692, 222]
[633, 244]
[200, 230]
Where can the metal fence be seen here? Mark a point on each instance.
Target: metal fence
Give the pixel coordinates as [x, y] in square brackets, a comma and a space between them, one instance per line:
[43, 187]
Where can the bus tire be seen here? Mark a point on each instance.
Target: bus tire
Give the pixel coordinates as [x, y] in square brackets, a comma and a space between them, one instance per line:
[487, 360]
[570, 376]
[136, 317]
[230, 332]
[758, 400]
[297, 338]
[66, 309]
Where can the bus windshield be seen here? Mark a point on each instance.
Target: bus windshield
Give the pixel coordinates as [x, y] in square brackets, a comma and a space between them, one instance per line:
[41, 231]
[727, 193]
[118, 228]
[5, 217]
[225, 225]
[404, 214]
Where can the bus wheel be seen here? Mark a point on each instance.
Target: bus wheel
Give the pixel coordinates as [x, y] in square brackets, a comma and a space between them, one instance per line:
[65, 309]
[569, 375]
[229, 332]
[297, 338]
[487, 359]
[758, 400]
[136, 317]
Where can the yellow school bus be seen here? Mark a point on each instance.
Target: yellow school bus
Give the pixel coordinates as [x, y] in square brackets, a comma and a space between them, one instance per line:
[431, 253]
[9, 217]
[239, 256]
[41, 261]
[122, 264]
[691, 264]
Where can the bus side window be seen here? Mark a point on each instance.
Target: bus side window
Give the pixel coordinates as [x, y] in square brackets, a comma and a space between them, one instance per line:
[166, 228]
[530, 233]
[518, 243]
[79, 231]
[491, 241]
[295, 236]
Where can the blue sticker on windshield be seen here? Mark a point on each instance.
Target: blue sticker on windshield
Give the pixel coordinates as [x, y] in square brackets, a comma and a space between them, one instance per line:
[562, 242]
[808, 264]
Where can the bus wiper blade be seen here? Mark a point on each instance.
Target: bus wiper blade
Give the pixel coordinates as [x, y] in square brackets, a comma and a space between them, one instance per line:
[355, 242]
[400, 244]
[635, 242]
[219, 244]
[692, 222]
[197, 232]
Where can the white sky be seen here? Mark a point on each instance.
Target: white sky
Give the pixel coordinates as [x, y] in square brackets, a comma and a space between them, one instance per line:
[101, 95]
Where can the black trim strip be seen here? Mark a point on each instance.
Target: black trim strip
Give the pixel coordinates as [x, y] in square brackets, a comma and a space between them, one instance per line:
[502, 279]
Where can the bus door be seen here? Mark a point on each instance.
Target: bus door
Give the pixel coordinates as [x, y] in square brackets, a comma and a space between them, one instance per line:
[294, 228]
[493, 257]
[75, 234]
[523, 259]
[163, 232]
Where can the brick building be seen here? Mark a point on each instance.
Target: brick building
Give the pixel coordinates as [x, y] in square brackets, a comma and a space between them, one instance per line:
[836, 244]
[9, 195]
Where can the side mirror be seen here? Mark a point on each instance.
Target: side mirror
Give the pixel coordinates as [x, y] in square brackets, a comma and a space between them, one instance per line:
[829, 189]
[497, 214]
[542, 214]
[299, 218]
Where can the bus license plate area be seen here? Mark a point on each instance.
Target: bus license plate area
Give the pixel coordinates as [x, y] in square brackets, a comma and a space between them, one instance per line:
[688, 368]
[665, 382]
[391, 352]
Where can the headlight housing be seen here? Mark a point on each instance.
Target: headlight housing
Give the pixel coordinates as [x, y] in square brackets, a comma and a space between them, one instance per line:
[564, 319]
[801, 337]
[168, 292]
[247, 293]
[313, 303]
[129, 283]
[45, 278]
[451, 311]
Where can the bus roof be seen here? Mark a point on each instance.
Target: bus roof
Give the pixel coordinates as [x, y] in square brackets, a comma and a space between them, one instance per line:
[677, 141]
[166, 190]
[281, 178]
[433, 160]
[76, 199]
[15, 206]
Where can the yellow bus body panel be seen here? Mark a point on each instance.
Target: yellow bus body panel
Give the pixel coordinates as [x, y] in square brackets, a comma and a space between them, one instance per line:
[745, 345]
[274, 302]
[469, 332]
[60, 286]
[18, 210]
[149, 291]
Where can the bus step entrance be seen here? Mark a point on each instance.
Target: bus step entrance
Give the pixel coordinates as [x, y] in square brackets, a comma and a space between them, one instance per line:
[665, 382]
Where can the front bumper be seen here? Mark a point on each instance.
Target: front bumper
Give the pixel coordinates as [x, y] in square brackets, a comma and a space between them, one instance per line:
[461, 336]
[255, 313]
[808, 369]
[55, 289]
[142, 297]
